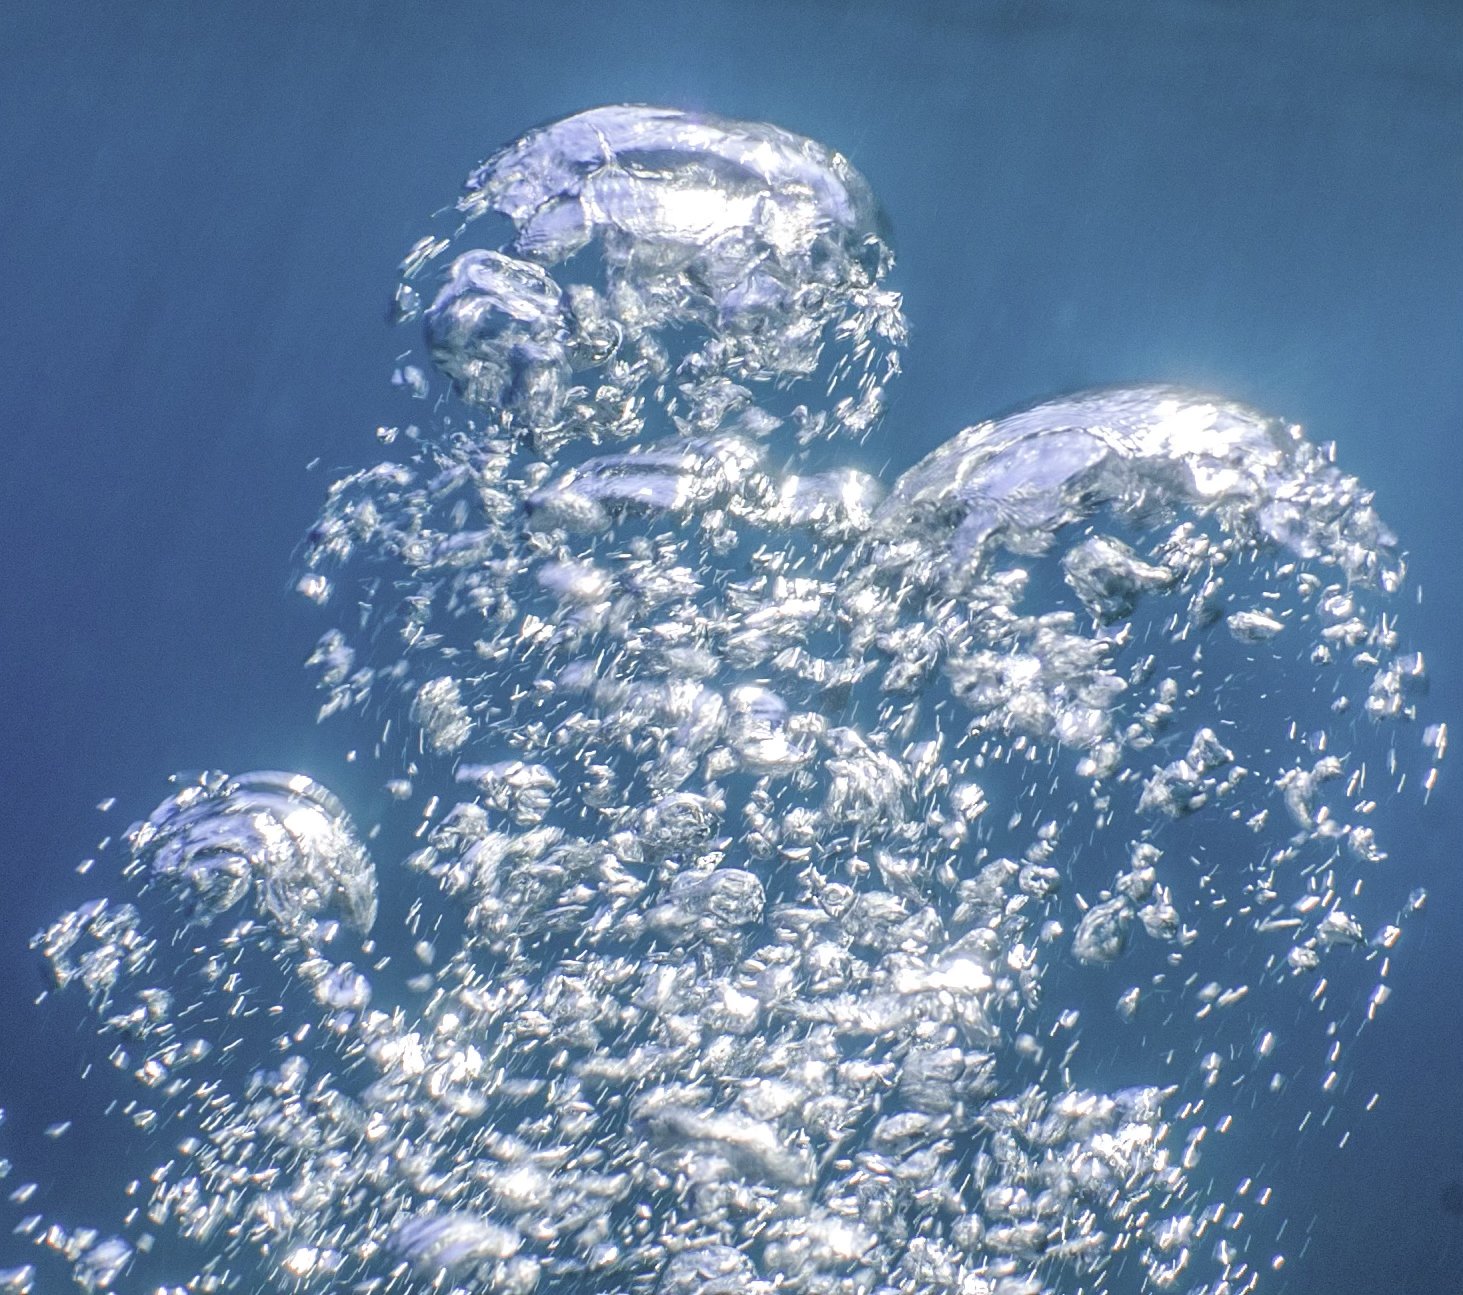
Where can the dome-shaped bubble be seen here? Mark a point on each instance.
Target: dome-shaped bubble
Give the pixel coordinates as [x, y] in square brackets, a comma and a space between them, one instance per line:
[687, 250]
[644, 171]
[280, 838]
[1015, 480]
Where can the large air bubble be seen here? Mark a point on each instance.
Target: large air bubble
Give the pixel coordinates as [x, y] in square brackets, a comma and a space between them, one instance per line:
[279, 839]
[657, 254]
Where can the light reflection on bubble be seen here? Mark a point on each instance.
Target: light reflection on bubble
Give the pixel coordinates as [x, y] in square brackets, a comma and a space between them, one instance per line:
[813, 887]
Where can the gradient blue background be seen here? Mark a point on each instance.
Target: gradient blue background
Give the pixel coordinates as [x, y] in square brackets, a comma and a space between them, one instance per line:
[201, 209]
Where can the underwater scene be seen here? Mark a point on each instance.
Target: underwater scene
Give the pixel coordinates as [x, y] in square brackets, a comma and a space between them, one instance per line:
[762, 649]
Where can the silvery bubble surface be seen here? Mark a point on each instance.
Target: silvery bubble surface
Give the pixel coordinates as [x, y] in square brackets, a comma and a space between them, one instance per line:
[936, 886]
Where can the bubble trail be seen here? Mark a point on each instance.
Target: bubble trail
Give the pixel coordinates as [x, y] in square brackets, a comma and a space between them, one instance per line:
[815, 887]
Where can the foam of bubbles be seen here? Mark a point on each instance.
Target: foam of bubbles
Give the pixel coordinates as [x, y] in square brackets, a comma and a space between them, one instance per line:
[778, 837]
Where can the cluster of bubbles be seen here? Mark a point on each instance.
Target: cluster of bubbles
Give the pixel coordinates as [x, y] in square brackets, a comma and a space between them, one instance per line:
[656, 261]
[815, 888]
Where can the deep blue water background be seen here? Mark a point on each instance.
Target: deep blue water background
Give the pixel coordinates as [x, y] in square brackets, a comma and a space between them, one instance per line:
[201, 209]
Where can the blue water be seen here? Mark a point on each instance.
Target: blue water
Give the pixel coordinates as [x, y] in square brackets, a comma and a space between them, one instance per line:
[203, 208]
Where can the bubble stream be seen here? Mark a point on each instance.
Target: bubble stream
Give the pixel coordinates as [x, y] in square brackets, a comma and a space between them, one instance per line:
[809, 885]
